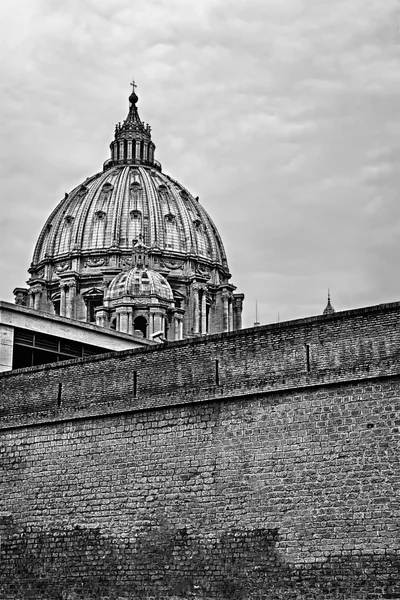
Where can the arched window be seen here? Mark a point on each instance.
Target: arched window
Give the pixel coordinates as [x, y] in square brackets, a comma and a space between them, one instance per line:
[56, 303]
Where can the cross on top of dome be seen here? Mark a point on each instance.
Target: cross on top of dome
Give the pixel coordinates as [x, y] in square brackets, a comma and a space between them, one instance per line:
[133, 98]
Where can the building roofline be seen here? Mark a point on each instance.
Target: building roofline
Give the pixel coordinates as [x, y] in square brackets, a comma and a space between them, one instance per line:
[263, 329]
[8, 307]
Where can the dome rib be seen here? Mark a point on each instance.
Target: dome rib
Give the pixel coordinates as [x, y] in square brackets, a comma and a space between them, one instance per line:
[176, 224]
[84, 209]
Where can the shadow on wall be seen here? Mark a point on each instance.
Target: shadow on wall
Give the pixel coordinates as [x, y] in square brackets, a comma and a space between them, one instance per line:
[161, 562]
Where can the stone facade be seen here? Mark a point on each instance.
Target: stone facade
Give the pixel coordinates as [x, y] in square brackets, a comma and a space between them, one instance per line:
[262, 463]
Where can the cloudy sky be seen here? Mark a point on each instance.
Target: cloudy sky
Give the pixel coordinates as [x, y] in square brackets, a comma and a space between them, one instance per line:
[282, 115]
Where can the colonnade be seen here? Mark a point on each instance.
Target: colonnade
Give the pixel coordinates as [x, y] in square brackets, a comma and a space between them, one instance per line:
[200, 324]
[227, 314]
[132, 150]
[156, 321]
[67, 299]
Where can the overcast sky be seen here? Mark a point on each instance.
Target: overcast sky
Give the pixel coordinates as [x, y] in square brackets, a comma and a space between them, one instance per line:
[282, 115]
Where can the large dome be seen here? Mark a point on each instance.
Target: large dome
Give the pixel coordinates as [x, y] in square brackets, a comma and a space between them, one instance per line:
[127, 202]
[101, 228]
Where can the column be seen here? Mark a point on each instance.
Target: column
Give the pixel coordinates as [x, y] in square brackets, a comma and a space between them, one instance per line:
[122, 316]
[203, 313]
[176, 328]
[130, 322]
[36, 304]
[124, 322]
[151, 325]
[238, 307]
[63, 300]
[162, 324]
[195, 310]
[30, 299]
[137, 153]
[225, 308]
[121, 151]
[145, 150]
[230, 308]
[129, 149]
[71, 300]
[158, 324]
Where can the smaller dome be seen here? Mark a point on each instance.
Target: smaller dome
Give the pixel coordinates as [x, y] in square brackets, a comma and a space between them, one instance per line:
[139, 282]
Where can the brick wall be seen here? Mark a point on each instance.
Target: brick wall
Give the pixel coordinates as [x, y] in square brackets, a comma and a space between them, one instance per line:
[270, 474]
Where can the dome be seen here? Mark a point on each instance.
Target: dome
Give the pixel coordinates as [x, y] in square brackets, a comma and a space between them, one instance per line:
[84, 267]
[115, 207]
[139, 282]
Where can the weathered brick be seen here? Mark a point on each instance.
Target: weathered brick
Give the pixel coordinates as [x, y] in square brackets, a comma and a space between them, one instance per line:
[279, 481]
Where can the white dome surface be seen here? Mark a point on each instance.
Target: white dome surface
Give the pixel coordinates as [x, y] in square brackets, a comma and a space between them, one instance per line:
[139, 282]
[127, 203]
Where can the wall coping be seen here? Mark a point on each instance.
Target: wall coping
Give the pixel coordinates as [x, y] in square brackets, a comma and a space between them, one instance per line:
[260, 329]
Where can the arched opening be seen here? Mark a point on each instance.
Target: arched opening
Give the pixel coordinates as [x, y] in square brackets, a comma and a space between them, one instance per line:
[140, 324]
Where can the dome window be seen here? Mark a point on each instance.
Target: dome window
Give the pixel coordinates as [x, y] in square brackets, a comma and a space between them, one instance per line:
[83, 190]
[68, 219]
[135, 214]
[106, 191]
[100, 214]
[197, 224]
[163, 191]
[135, 185]
[170, 218]
[135, 188]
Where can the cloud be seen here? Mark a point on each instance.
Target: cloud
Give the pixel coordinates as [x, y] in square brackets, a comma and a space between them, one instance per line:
[282, 116]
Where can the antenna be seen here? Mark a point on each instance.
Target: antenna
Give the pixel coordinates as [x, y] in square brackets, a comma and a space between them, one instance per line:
[256, 323]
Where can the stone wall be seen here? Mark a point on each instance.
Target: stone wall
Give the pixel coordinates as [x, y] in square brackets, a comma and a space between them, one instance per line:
[263, 463]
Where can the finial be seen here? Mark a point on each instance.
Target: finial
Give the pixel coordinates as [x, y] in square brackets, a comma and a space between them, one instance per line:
[133, 97]
[329, 310]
